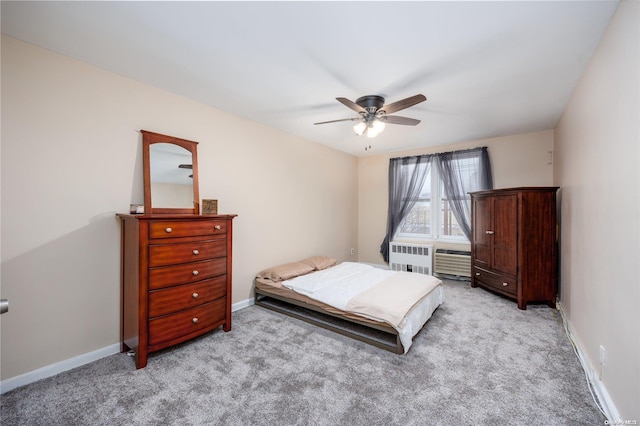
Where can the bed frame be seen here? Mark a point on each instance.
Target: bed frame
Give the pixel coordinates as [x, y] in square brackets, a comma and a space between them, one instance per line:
[380, 335]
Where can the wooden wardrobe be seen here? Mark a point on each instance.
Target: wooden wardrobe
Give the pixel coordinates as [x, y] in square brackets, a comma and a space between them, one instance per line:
[514, 248]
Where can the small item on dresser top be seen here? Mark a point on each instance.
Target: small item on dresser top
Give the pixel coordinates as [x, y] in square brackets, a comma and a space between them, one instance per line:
[209, 206]
[136, 209]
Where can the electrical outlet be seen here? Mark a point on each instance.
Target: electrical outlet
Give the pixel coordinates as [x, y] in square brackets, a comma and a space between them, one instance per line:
[353, 251]
[603, 355]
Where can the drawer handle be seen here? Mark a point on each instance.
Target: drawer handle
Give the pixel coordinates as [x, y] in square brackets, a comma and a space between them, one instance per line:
[195, 273]
[168, 230]
[196, 252]
[488, 232]
[195, 320]
[504, 284]
[195, 295]
[477, 274]
[218, 227]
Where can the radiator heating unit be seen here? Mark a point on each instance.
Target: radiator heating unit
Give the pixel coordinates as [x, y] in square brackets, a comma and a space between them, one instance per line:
[411, 257]
[453, 262]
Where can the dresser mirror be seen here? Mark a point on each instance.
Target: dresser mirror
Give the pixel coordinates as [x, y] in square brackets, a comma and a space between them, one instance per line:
[170, 167]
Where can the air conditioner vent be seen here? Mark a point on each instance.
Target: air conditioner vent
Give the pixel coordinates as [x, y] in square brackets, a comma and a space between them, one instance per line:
[453, 262]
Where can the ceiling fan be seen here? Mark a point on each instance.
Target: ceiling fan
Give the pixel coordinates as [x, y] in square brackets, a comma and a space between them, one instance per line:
[186, 166]
[374, 114]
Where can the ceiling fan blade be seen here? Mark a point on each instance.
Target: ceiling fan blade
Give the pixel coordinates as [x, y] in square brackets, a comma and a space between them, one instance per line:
[342, 119]
[404, 103]
[350, 104]
[395, 119]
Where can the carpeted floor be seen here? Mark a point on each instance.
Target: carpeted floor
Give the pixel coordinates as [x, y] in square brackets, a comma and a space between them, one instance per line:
[478, 361]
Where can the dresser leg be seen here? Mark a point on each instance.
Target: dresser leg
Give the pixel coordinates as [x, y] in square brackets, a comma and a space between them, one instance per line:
[141, 360]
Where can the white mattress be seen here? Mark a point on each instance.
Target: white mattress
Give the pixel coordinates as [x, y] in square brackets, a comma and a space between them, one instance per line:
[337, 285]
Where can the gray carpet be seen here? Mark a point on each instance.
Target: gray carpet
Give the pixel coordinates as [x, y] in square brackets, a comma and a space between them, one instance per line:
[478, 361]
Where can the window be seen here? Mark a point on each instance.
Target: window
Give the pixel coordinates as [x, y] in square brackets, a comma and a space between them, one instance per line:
[418, 220]
[432, 216]
[428, 195]
[449, 226]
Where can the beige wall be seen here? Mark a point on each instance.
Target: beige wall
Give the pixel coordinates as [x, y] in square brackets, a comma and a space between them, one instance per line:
[518, 160]
[71, 159]
[597, 161]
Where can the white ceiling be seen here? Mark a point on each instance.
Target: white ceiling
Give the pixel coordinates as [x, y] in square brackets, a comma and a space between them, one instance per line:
[487, 68]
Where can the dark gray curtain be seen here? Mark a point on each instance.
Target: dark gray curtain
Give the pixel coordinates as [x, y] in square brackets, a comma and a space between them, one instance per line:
[406, 177]
[458, 181]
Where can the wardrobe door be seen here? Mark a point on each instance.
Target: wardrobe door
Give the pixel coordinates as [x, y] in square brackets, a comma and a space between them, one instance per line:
[482, 229]
[505, 234]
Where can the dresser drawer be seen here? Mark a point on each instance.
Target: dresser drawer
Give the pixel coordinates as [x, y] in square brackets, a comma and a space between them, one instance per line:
[165, 276]
[185, 322]
[169, 254]
[186, 228]
[501, 283]
[173, 299]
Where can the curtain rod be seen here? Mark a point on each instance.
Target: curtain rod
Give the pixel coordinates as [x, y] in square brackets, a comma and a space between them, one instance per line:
[461, 151]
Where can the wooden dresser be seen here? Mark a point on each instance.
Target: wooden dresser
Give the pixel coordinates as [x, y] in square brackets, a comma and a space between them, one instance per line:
[514, 243]
[176, 279]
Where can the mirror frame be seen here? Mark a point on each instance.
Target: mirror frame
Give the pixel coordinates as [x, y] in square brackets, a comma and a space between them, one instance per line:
[148, 139]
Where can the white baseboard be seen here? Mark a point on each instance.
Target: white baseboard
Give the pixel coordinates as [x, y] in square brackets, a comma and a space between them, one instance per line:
[77, 361]
[58, 367]
[243, 304]
[603, 399]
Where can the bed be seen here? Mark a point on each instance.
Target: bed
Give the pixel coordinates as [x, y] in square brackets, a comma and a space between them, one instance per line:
[381, 307]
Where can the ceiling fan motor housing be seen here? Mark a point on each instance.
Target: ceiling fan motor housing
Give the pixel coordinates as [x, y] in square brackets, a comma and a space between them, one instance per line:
[371, 103]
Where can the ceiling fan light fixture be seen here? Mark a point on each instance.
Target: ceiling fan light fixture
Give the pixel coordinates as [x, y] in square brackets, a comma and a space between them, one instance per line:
[360, 128]
[375, 128]
[378, 126]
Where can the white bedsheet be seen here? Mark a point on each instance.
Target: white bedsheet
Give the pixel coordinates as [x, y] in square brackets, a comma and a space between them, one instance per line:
[337, 285]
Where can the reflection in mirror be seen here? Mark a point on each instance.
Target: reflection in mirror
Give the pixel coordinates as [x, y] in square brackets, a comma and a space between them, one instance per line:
[171, 176]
